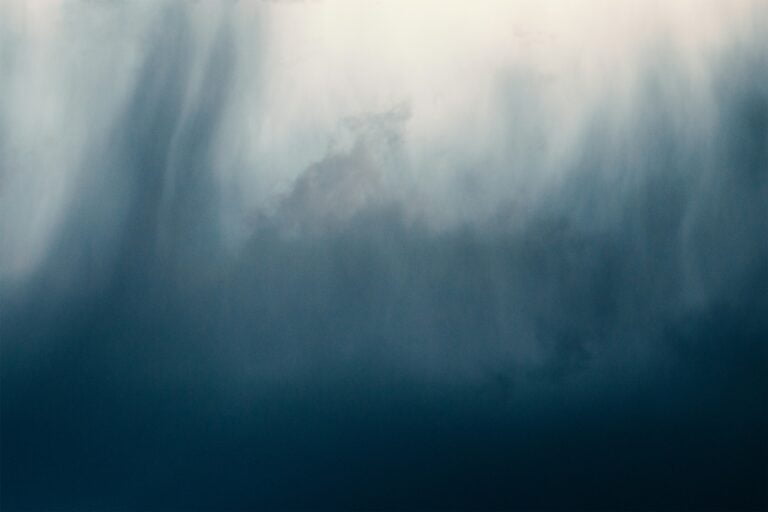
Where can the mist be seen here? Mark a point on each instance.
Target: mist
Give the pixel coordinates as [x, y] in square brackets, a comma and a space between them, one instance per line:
[383, 255]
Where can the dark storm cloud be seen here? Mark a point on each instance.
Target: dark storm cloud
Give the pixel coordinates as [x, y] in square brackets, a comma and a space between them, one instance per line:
[605, 351]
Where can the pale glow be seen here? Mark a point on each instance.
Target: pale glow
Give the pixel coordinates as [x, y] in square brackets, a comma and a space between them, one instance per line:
[456, 64]
[497, 92]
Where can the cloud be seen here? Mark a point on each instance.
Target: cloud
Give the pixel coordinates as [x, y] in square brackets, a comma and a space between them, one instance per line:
[522, 295]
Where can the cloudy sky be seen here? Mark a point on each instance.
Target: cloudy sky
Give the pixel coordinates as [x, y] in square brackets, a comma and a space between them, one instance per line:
[384, 255]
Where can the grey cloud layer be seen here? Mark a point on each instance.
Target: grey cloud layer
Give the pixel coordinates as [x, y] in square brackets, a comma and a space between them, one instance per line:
[578, 341]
